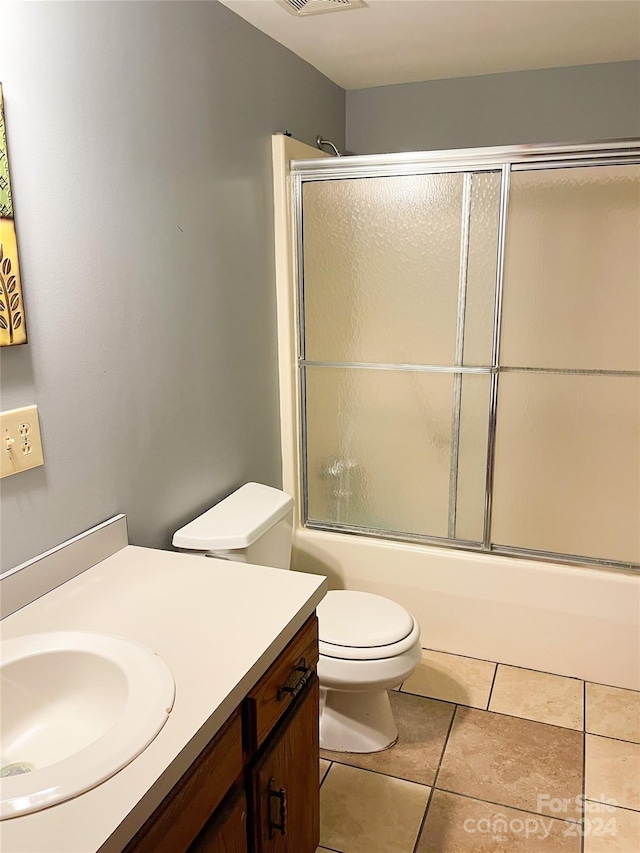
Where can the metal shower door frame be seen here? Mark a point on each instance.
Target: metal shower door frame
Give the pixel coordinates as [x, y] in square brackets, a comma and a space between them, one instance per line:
[503, 160]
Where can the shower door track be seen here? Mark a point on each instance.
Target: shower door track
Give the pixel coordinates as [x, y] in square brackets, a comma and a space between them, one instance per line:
[469, 545]
[518, 157]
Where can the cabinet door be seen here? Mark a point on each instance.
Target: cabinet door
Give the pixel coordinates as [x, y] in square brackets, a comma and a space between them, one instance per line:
[284, 782]
[187, 808]
[227, 831]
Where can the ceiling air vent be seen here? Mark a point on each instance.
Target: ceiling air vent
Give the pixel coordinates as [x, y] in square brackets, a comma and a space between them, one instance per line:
[318, 7]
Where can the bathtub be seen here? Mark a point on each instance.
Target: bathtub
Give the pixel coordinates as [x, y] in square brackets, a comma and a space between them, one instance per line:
[568, 620]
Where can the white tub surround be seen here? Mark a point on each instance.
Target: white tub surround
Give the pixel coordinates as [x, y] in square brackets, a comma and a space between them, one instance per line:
[217, 625]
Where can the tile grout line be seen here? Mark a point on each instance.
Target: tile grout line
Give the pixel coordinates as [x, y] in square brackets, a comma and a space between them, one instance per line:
[531, 669]
[435, 779]
[616, 806]
[496, 665]
[531, 720]
[326, 774]
[377, 773]
[439, 699]
[493, 681]
[512, 808]
[608, 737]
[612, 686]
[331, 763]
[504, 714]
[518, 666]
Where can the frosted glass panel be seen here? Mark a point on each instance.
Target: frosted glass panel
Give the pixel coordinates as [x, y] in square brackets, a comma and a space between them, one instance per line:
[381, 268]
[472, 457]
[567, 473]
[402, 270]
[379, 445]
[572, 269]
[481, 268]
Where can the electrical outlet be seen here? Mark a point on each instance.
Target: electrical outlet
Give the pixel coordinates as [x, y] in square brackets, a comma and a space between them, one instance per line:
[21, 446]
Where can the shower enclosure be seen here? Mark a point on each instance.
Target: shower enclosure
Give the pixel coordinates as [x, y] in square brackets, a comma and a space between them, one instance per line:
[469, 349]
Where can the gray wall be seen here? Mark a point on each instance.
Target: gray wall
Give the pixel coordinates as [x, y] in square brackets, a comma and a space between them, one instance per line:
[139, 136]
[587, 102]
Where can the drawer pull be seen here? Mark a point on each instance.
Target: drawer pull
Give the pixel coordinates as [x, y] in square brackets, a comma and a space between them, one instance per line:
[285, 690]
[281, 796]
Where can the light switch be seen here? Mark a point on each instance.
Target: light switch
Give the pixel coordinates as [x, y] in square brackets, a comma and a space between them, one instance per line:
[21, 446]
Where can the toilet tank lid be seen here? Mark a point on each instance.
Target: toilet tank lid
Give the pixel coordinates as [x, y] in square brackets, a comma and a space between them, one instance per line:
[237, 521]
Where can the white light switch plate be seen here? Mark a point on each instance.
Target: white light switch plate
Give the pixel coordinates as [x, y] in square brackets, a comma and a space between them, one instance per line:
[20, 443]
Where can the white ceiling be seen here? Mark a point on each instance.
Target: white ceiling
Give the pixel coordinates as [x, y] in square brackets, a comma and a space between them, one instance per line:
[404, 41]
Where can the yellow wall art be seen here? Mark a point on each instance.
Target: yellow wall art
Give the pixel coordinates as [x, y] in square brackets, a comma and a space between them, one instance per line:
[13, 328]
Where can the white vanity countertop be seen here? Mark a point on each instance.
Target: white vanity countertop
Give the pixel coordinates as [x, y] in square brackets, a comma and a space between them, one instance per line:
[218, 625]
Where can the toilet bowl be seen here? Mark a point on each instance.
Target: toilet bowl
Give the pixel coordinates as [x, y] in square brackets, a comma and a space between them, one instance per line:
[368, 643]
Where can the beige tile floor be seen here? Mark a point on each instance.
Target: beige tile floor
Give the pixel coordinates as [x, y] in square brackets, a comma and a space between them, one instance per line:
[491, 758]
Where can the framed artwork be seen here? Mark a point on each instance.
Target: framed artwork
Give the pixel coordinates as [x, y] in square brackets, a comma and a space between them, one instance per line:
[13, 328]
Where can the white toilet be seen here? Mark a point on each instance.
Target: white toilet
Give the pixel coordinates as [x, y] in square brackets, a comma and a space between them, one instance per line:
[368, 644]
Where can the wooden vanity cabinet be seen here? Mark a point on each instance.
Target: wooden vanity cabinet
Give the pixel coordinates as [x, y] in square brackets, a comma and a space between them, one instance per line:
[226, 831]
[254, 788]
[194, 799]
[283, 783]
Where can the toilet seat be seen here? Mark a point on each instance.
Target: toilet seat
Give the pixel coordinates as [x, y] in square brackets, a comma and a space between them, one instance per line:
[362, 626]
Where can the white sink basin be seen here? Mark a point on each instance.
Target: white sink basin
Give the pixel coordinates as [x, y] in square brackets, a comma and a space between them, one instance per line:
[76, 708]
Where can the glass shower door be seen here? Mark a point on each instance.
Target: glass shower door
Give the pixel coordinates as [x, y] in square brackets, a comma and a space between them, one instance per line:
[397, 313]
[567, 469]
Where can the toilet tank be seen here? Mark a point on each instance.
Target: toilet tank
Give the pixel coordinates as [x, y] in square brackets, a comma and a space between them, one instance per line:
[253, 525]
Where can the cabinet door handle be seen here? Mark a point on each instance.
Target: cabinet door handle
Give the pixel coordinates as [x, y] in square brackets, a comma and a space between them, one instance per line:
[279, 825]
[285, 690]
